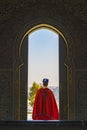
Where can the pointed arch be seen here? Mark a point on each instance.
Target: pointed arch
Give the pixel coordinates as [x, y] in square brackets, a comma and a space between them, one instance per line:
[63, 78]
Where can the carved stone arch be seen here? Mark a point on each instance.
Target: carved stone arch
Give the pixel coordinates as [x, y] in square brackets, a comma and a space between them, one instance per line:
[21, 72]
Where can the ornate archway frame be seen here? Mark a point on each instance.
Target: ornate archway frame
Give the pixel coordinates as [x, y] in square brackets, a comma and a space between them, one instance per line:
[20, 63]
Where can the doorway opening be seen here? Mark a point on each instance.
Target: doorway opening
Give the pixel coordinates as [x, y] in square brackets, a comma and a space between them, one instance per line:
[43, 62]
[39, 56]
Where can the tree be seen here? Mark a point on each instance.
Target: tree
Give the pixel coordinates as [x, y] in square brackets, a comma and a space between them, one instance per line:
[32, 93]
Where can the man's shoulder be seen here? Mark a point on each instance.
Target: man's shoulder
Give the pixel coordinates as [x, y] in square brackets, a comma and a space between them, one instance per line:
[40, 89]
[45, 89]
[49, 90]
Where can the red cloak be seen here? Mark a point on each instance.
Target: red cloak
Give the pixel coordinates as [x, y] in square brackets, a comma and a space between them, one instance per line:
[45, 107]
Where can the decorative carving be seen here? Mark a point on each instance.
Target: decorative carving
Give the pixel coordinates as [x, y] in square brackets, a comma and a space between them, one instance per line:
[77, 8]
[82, 97]
[5, 94]
[81, 62]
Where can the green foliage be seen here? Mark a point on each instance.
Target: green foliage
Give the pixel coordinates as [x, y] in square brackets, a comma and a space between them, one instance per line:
[32, 93]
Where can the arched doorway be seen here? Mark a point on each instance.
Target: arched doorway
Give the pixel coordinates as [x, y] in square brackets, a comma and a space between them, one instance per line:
[63, 95]
[43, 62]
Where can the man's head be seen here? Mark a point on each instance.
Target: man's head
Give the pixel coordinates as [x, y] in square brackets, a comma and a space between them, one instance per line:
[45, 82]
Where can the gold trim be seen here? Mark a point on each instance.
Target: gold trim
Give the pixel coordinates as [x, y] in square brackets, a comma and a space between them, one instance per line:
[49, 27]
[43, 26]
[46, 26]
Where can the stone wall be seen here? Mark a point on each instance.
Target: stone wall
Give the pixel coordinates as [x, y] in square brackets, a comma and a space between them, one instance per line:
[16, 18]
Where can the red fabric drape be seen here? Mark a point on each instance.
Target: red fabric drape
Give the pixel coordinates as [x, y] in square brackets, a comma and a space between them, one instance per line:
[45, 107]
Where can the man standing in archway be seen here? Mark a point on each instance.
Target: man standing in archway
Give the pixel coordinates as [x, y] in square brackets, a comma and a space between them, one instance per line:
[45, 107]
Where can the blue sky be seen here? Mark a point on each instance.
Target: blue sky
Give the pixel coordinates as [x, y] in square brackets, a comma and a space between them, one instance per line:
[43, 57]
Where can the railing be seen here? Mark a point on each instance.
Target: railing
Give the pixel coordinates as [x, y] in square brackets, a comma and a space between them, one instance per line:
[43, 125]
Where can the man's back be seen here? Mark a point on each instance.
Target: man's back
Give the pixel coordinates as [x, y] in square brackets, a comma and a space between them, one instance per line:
[45, 107]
